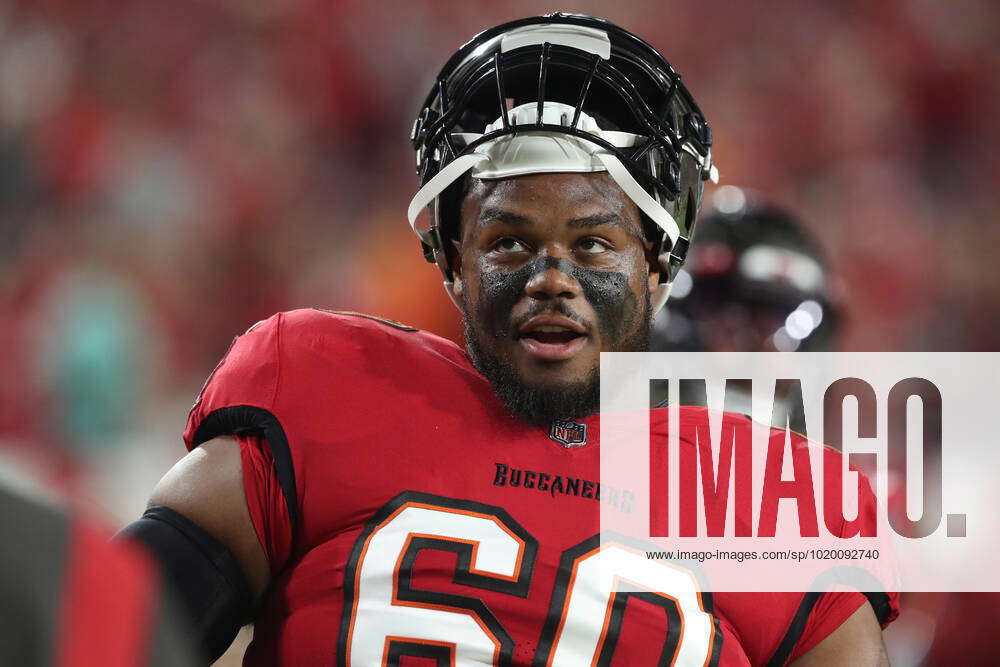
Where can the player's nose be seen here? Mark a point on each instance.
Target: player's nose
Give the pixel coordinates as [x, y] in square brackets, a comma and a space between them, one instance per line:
[552, 282]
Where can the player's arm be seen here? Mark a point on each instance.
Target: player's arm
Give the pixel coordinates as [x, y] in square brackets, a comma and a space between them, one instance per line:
[199, 527]
[856, 643]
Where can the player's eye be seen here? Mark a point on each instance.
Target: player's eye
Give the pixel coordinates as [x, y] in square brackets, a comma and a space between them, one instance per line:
[508, 244]
[593, 246]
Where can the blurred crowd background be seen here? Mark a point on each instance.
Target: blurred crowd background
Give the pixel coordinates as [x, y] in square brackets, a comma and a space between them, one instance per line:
[172, 172]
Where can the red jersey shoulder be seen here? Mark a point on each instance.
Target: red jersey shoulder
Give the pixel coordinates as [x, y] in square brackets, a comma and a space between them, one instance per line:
[256, 357]
[306, 347]
[367, 316]
[339, 327]
[246, 375]
[357, 341]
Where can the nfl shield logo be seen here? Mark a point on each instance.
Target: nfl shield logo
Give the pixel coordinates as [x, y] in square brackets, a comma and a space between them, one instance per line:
[568, 434]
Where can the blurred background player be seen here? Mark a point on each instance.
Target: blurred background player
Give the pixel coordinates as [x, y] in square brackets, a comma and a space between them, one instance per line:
[756, 280]
[72, 598]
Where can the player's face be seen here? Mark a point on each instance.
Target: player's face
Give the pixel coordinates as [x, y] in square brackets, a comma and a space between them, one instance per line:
[552, 270]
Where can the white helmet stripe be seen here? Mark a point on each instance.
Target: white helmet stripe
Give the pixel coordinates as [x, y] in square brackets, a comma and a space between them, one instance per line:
[591, 40]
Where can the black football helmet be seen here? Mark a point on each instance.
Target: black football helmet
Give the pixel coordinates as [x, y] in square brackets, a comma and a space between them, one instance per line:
[755, 280]
[556, 93]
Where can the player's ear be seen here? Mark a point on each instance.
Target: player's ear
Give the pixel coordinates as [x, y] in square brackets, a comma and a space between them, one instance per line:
[653, 278]
[653, 282]
[456, 267]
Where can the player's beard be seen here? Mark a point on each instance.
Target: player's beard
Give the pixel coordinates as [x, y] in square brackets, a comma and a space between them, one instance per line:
[541, 403]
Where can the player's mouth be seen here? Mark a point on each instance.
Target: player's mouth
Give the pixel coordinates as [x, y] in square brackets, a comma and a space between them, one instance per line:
[551, 337]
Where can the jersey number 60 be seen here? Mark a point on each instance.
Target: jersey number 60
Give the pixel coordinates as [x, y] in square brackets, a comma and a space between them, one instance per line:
[385, 618]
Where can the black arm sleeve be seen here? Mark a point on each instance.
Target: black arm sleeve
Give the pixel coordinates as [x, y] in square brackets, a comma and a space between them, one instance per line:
[202, 572]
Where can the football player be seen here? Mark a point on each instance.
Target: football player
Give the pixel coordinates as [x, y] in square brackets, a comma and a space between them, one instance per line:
[370, 494]
[755, 281]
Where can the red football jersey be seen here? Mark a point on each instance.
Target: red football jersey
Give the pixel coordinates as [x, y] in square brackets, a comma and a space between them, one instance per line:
[409, 519]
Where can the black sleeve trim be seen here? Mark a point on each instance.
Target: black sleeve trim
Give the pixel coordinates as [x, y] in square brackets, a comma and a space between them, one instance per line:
[795, 629]
[880, 604]
[247, 420]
